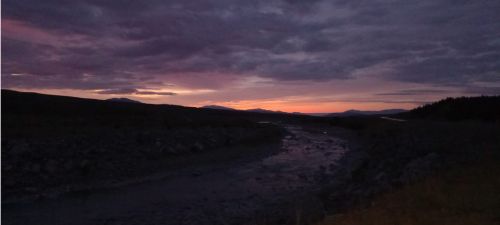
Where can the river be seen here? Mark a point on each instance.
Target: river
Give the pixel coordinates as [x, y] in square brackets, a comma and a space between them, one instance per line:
[236, 193]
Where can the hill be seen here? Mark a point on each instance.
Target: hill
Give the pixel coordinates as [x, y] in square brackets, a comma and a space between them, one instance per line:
[218, 107]
[462, 108]
[256, 110]
[54, 143]
[123, 100]
[259, 110]
[366, 113]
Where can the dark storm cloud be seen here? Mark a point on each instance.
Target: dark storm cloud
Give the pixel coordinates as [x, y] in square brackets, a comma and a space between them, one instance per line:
[154, 93]
[476, 90]
[118, 91]
[91, 44]
[415, 92]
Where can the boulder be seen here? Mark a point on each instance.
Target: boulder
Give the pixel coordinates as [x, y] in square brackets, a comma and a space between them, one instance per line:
[51, 166]
[419, 167]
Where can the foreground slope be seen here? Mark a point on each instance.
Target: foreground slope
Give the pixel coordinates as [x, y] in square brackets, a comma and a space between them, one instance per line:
[438, 167]
[465, 195]
[53, 143]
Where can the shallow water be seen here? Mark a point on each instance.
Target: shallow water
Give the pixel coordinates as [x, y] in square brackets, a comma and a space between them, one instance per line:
[219, 195]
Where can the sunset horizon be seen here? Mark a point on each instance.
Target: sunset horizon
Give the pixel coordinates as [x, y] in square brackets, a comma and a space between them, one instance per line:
[277, 105]
[319, 56]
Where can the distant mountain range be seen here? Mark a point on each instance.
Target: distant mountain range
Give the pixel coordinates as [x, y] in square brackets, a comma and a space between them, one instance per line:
[341, 114]
[257, 110]
[217, 107]
[366, 113]
[123, 100]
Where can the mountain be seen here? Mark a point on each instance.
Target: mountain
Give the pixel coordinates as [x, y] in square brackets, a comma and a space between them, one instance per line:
[216, 107]
[353, 112]
[310, 114]
[123, 100]
[256, 110]
[259, 110]
[461, 108]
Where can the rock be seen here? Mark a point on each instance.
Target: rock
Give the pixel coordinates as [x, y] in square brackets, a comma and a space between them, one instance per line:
[7, 166]
[84, 163]
[31, 189]
[419, 167]
[197, 147]
[229, 141]
[196, 174]
[302, 176]
[9, 182]
[19, 148]
[380, 176]
[332, 166]
[68, 165]
[179, 148]
[171, 150]
[35, 168]
[158, 142]
[51, 166]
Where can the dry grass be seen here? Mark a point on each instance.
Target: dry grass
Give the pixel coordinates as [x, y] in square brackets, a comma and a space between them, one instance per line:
[468, 195]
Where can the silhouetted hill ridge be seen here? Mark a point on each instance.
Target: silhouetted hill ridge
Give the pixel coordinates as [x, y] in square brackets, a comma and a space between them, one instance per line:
[461, 108]
[218, 107]
[123, 100]
[354, 112]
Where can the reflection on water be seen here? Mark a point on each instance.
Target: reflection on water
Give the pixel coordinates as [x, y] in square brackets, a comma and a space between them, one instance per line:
[305, 159]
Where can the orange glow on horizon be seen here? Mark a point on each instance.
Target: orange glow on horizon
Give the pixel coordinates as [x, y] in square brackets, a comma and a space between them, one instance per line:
[307, 105]
[314, 107]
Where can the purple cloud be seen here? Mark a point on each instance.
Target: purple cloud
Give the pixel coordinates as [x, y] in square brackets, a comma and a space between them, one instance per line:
[114, 45]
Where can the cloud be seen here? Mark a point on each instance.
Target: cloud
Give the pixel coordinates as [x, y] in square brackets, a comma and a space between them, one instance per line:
[481, 90]
[118, 91]
[130, 91]
[155, 93]
[416, 92]
[114, 45]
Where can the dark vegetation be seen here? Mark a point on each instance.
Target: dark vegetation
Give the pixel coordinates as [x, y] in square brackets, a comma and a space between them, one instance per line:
[462, 108]
[439, 167]
[394, 154]
[466, 195]
[51, 143]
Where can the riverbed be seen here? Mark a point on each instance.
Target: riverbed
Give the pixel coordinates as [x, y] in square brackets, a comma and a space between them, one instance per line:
[227, 194]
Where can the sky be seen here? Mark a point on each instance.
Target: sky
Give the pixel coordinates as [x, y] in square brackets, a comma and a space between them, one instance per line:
[288, 55]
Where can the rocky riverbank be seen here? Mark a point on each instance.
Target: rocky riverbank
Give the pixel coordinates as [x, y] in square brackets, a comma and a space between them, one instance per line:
[390, 155]
[49, 165]
[254, 188]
